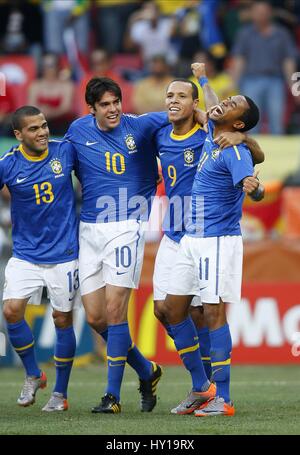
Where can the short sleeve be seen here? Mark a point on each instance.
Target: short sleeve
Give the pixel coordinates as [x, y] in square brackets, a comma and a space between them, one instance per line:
[238, 161]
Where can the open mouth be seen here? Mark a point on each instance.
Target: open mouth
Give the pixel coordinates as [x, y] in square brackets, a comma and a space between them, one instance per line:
[217, 110]
[112, 117]
[174, 109]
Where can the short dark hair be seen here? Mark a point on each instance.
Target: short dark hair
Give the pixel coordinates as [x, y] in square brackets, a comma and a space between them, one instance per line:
[97, 86]
[195, 93]
[19, 114]
[251, 115]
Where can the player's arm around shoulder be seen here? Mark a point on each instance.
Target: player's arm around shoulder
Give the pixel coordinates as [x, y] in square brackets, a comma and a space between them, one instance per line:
[151, 122]
[230, 139]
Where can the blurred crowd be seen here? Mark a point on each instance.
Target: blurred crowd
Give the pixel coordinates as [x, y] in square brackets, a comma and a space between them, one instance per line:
[249, 46]
[49, 49]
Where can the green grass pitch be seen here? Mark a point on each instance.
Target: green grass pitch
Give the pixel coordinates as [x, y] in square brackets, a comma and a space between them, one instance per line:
[267, 401]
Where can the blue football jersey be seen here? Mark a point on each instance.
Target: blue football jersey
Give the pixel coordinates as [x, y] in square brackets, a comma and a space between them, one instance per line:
[217, 194]
[179, 156]
[44, 222]
[117, 168]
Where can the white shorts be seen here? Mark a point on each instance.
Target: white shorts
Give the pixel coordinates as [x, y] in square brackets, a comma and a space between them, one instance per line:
[110, 253]
[25, 280]
[164, 263]
[218, 263]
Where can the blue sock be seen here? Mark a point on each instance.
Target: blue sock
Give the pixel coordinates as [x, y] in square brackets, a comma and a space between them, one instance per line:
[169, 331]
[186, 342]
[204, 342]
[139, 363]
[136, 360]
[118, 343]
[64, 353]
[21, 338]
[220, 353]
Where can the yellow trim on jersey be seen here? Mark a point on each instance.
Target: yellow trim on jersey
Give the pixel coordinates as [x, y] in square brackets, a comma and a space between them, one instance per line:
[58, 359]
[182, 137]
[237, 152]
[225, 362]
[25, 347]
[205, 359]
[115, 359]
[33, 158]
[9, 153]
[190, 349]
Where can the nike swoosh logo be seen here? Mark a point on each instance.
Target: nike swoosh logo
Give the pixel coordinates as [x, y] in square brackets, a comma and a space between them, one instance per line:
[90, 143]
[121, 273]
[21, 180]
[190, 405]
[201, 289]
[162, 153]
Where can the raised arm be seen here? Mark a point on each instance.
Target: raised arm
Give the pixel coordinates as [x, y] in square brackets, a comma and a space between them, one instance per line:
[210, 98]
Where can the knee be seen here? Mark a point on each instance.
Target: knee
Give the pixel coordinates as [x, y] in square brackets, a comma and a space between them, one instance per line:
[99, 324]
[159, 311]
[62, 320]
[11, 312]
[215, 316]
[197, 315]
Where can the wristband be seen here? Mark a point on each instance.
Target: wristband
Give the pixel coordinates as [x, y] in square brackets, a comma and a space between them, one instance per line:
[203, 80]
[257, 194]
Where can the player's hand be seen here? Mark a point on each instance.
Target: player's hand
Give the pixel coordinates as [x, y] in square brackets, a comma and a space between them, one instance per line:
[202, 118]
[251, 183]
[229, 139]
[198, 70]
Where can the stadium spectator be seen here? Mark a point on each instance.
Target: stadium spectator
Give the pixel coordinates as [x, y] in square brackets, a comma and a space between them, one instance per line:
[101, 66]
[150, 32]
[149, 93]
[58, 15]
[20, 27]
[220, 81]
[53, 95]
[264, 59]
[113, 15]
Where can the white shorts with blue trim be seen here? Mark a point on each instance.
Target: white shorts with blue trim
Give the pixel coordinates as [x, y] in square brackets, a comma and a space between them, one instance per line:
[110, 253]
[164, 263]
[218, 263]
[26, 280]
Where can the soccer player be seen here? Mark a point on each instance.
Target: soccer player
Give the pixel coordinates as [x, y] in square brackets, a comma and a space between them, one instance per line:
[180, 146]
[45, 248]
[118, 172]
[210, 254]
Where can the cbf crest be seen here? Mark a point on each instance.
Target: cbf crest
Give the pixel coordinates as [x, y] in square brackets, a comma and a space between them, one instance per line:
[215, 154]
[189, 156]
[56, 166]
[130, 143]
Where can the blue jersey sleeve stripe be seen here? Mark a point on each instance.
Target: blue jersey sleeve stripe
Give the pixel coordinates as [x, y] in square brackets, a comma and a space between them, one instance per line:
[237, 152]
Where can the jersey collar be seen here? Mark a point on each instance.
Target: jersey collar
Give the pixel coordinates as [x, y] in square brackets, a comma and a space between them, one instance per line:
[182, 137]
[33, 158]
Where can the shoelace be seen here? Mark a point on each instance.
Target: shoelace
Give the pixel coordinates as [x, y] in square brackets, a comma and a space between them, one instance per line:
[28, 386]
